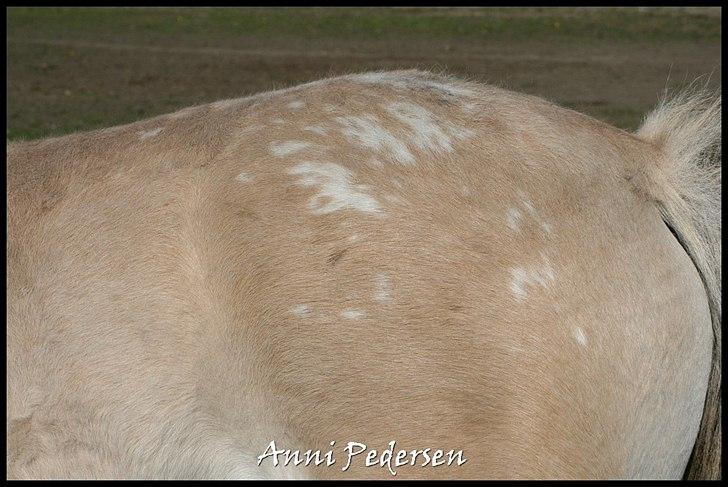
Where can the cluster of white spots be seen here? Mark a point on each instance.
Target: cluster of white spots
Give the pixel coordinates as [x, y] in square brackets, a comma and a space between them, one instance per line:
[524, 280]
[149, 133]
[283, 149]
[352, 314]
[277, 121]
[335, 186]
[514, 216]
[383, 288]
[317, 129]
[579, 335]
[244, 177]
[412, 80]
[368, 132]
[301, 310]
[426, 133]
[296, 104]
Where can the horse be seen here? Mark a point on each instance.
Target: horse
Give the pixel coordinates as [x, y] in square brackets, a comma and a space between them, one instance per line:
[393, 274]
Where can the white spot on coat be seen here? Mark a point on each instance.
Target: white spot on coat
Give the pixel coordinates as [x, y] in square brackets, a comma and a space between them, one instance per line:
[301, 310]
[317, 129]
[513, 217]
[368, 132]
[579, 336]
[296, 104]
[287, 148]
[523, 280]
[149, 133]
[334, 182]
[528, 205]
[382, 288]
[519, 277]
[352, 314]
[426, 133]
[244, 177]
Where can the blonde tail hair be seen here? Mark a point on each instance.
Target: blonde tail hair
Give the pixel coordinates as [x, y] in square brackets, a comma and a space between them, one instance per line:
[685, 183]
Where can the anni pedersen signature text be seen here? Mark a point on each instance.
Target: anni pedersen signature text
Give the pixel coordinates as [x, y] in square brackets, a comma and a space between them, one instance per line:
[389, 457]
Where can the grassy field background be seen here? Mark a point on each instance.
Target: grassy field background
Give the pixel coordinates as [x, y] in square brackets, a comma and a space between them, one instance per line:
[73, 69]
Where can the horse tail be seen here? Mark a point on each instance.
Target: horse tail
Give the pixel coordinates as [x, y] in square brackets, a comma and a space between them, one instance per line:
[685, 183]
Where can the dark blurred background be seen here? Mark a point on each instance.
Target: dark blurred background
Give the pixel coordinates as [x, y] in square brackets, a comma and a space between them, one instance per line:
[75, 69]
